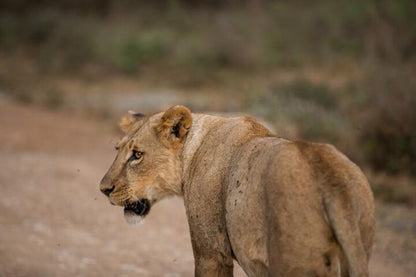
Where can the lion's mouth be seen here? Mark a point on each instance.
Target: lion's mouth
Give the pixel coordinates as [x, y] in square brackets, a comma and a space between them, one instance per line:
[140, 207]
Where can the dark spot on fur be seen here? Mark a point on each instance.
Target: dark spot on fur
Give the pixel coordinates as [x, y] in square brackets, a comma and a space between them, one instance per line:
[240, 191]
[238, 183]
[138, 115]
[327, 262]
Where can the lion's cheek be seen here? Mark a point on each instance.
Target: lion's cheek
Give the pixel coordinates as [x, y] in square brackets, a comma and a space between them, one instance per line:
[153, 193]
[146, 188]
[138, 190]
[169, 181]
[156, 187]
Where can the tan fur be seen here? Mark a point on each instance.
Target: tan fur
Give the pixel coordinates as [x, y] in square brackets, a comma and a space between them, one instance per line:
[128, 120]
[280, 208]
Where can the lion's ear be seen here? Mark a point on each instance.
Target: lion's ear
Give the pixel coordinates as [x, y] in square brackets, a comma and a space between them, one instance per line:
[128, 120]
[174, 126]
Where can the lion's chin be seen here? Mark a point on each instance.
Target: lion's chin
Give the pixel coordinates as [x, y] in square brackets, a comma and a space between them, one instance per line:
[140, 207]
[135, 212]
[132, 218]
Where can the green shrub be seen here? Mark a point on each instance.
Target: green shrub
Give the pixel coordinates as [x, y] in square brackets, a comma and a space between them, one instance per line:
[132, 53]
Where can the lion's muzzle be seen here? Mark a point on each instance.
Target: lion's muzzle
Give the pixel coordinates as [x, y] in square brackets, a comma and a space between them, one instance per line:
[140, 207]
[107, 191]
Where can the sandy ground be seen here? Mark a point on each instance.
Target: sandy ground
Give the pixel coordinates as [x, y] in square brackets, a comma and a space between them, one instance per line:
[55, 222]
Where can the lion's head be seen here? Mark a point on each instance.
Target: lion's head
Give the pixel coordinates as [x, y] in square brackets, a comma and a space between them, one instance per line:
[147, 167]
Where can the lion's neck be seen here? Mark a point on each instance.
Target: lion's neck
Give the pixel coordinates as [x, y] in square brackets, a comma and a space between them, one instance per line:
[201, 125]
[239, 129]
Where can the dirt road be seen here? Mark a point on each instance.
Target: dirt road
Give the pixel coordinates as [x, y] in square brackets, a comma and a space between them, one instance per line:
[55, 222]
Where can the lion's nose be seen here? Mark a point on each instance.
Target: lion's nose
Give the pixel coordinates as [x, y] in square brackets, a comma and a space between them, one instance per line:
[107, 191]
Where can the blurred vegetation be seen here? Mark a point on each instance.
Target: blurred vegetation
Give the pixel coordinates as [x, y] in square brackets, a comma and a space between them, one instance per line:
[388, 120]
[311, 107]
[338, 71]
[274, 34]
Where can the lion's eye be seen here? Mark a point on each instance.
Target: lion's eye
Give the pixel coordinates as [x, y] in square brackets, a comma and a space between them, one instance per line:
[137, 155]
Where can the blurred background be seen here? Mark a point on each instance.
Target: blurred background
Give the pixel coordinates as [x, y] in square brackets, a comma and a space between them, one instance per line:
[342, 72]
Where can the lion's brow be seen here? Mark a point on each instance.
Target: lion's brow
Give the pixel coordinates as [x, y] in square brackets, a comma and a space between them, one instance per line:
[121, 142]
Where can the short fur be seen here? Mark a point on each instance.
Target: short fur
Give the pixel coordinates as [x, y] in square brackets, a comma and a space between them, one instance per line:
[279, 207]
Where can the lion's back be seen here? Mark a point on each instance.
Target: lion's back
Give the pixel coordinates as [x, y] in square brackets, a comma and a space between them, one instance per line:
[277, 186]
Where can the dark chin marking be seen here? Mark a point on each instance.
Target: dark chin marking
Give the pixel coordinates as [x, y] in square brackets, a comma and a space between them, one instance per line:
[140, 207]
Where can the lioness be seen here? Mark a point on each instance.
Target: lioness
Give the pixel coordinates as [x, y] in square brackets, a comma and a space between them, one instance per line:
[279, 207]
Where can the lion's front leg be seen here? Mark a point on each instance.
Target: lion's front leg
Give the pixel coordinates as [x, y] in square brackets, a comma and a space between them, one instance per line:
[212, 249]
[212, 266]
[210, 242]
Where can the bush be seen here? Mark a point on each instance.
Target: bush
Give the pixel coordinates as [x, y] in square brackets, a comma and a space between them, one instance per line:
[317, 94]
[388, 120]
[132, 53]
[31, 30]
[311, 107]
